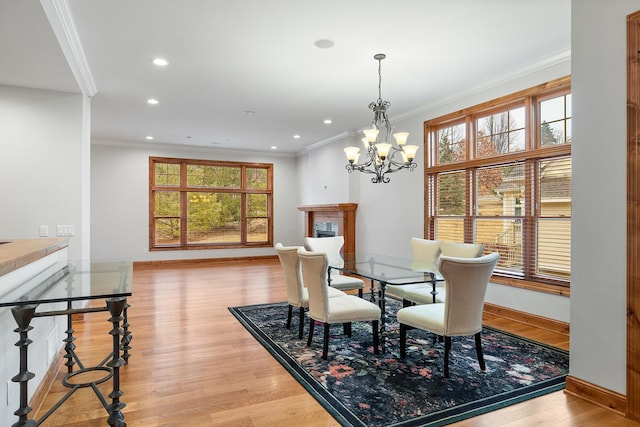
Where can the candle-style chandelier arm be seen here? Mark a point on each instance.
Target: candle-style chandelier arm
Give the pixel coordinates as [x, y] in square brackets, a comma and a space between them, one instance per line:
[381, 153]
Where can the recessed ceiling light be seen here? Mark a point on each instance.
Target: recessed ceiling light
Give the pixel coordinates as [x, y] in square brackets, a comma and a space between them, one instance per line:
[152, 101]
[149, 137]
[327, 121]
[273, 147]
[160, 62]
[296, 136]
[323, 43]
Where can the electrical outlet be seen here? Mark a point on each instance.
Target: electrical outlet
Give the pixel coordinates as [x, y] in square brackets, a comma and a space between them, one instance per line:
[44, 231]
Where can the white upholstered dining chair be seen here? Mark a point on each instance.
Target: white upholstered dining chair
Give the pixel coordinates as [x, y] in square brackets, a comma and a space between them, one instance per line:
[422, 294]
[332, 247]
[425, 256]
[466, 282]
[344, 309]
[297, 294]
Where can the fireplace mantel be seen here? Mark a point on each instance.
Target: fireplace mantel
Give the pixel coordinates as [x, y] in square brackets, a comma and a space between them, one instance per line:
[342, 214]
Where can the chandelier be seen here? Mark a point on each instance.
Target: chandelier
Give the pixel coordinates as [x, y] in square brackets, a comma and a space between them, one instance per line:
[382, 156]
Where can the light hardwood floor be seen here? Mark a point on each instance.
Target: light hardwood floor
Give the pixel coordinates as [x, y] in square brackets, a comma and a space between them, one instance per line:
[193, 364]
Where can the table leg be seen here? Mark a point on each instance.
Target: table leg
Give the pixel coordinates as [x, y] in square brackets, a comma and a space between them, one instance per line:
[69, 346]
[432, 279]
[372, 298]
[116, 307]
[23, 315]
[126, 337]
[383, 315]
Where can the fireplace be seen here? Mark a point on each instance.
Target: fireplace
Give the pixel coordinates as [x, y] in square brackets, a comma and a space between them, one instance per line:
[325, 229]
[332, 220]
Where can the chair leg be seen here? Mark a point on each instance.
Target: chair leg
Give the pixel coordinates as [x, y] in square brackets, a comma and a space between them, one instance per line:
[289, 316]
[479, 351]
[403, 340]
[301, 323]
[447, 348]
[360, 292]
[325, 344]
[311, 325]
[346, 329]
[376, 340]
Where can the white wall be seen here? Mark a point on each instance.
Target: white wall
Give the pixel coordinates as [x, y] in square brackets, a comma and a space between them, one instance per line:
[598, 291]
[41, 165]
[322, 184]
[120, 201]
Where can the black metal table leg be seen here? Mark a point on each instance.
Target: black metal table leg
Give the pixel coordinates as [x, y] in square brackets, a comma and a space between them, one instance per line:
[116, 307]
[383, 315]
[432, 278]
[127, 336]
[23, 315]
[69, 346]
[373, 295]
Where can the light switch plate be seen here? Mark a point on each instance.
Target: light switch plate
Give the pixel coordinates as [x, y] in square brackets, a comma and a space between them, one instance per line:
[65, 230]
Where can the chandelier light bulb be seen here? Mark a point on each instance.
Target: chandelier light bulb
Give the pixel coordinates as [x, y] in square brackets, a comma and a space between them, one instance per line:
[371, 134]
[401, 138]
[352, 154]
[410, 151]
[383, 150]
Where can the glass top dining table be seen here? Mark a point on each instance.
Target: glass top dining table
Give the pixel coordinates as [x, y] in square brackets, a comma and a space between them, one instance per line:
[75, 280]
[385, 270]
[68, 282]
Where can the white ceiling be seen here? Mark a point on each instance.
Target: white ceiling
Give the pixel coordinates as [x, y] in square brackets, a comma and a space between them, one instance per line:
[228, 57]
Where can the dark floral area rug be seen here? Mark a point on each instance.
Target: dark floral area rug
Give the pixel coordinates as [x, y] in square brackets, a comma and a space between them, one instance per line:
[360, 388]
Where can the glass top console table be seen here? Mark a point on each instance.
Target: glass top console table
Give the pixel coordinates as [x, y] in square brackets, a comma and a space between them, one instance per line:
[67, 282]
[385, 270]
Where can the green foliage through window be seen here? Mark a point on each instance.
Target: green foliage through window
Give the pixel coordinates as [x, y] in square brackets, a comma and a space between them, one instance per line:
[501, 176]
[209, 204]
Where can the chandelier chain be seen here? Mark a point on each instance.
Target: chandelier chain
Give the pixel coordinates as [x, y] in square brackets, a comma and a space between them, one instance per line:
[379, 80]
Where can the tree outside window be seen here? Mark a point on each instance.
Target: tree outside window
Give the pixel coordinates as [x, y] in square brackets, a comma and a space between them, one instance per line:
[500, 174]
[196, 204]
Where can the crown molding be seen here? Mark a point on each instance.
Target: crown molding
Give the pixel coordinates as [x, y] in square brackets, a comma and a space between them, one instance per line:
[59, 15]
[167, 146]
[332, 139]
[556, 59]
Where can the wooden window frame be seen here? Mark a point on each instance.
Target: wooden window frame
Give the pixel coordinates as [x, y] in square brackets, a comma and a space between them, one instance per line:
[530, 157]
[184, 189]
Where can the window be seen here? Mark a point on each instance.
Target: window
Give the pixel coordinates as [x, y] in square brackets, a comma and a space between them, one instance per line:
[500, 174]
[198, 204]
